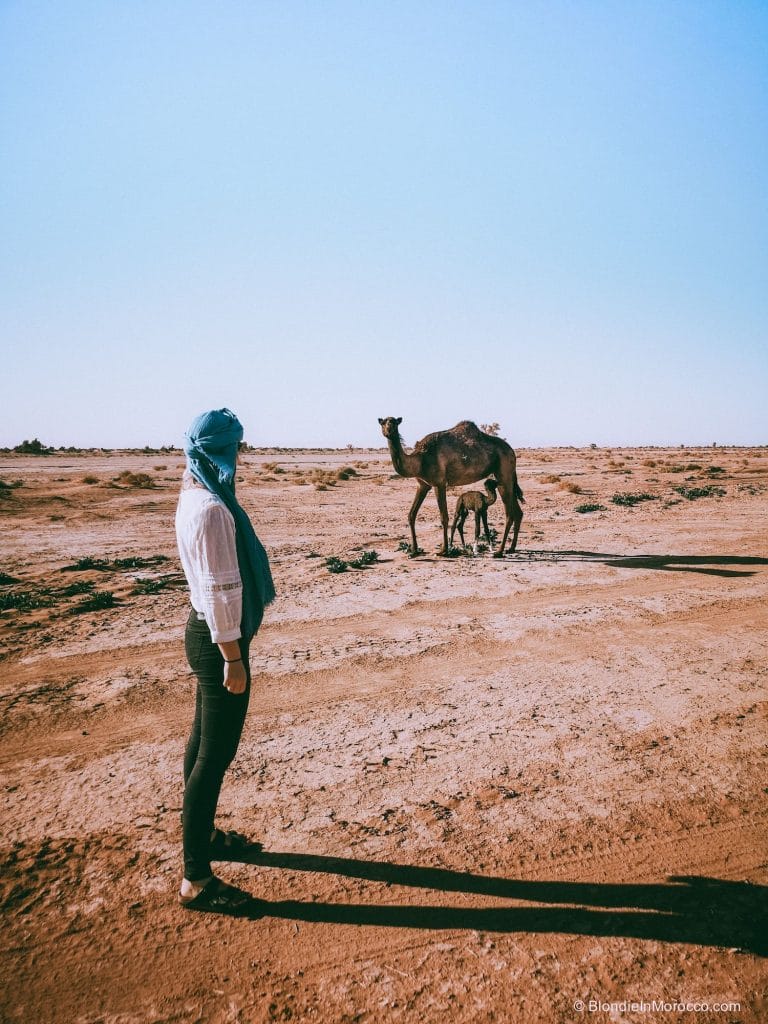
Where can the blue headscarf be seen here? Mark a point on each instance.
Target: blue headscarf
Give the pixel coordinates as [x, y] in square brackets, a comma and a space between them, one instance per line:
[210, 445]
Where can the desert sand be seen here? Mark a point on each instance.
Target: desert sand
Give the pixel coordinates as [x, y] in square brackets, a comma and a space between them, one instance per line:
[486, 789]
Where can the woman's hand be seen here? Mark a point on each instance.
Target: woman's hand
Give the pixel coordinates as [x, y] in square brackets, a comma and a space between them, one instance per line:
[234, 676]
[235, 679]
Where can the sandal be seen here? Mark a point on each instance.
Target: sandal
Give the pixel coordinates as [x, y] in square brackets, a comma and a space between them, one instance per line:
[231, 845]
[218, 898]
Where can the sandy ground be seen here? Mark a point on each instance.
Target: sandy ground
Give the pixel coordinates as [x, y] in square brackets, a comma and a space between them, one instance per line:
[486, 789]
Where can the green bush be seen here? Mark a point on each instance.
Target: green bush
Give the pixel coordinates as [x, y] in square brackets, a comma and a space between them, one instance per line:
[134, 562]
[83, 564]
[156, 585]
[97, 602]
[590, 506]
[78, 587]
[365, 558]
[692, 493]
[104, 565]
[406, 547]
[33, 447]
[629, 499]
[25, 600]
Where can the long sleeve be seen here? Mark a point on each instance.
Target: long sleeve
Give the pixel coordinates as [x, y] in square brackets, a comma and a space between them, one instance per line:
[209, 556]
[220, 583]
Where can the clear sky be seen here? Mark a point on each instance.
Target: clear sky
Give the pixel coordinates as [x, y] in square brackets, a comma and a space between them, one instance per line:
[553, 215]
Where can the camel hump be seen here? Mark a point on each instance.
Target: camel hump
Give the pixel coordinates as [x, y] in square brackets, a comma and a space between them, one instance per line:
[466, 427]
[464, 432]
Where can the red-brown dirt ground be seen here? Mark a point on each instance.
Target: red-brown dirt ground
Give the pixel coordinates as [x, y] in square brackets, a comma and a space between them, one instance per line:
[486, 789]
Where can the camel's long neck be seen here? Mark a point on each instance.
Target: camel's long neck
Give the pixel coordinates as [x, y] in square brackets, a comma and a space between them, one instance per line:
[405, 465]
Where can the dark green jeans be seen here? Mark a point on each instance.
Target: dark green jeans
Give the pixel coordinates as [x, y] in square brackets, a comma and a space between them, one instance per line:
[212, 743]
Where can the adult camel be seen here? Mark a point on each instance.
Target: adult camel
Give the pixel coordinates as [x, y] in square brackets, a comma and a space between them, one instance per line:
[449, 458]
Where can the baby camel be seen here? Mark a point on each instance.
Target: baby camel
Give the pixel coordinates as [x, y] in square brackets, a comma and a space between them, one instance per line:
[479, 503]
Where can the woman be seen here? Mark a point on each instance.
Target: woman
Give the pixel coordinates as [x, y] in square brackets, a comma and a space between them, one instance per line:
[230, 585]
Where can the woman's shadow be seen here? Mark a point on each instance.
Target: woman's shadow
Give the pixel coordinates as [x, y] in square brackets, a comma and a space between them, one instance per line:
[697, 910]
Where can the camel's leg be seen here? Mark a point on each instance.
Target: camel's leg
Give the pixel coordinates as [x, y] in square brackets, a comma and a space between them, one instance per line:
[458, 522]
[484, 514]
[463, 520]
[514, 515]
[418, 501]
[442, 504]
[517, 513]
[477, 532]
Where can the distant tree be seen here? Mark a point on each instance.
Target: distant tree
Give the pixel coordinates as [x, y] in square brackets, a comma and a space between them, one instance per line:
[33, 447]
[490, 428]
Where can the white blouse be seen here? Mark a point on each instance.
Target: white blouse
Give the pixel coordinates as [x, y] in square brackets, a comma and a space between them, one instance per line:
[205, 533]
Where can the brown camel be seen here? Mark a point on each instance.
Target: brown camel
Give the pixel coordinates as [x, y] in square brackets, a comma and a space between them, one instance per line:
[478, 502]
[449, 458]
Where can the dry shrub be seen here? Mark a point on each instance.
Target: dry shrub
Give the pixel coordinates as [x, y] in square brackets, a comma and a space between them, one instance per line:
[325, 477]
[159, 469]
[651, 463]
[568, 485]
[550, 478]
[90, 479]
[676, 467]
[129, 479]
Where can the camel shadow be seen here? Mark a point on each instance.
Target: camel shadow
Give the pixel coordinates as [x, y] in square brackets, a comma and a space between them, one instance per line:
[711, 565]
[688, 909]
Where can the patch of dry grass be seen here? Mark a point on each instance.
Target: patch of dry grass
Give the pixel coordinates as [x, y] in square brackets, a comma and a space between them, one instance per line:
[139, 480]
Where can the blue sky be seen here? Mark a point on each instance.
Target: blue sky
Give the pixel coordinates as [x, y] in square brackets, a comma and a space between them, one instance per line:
[551, 215]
